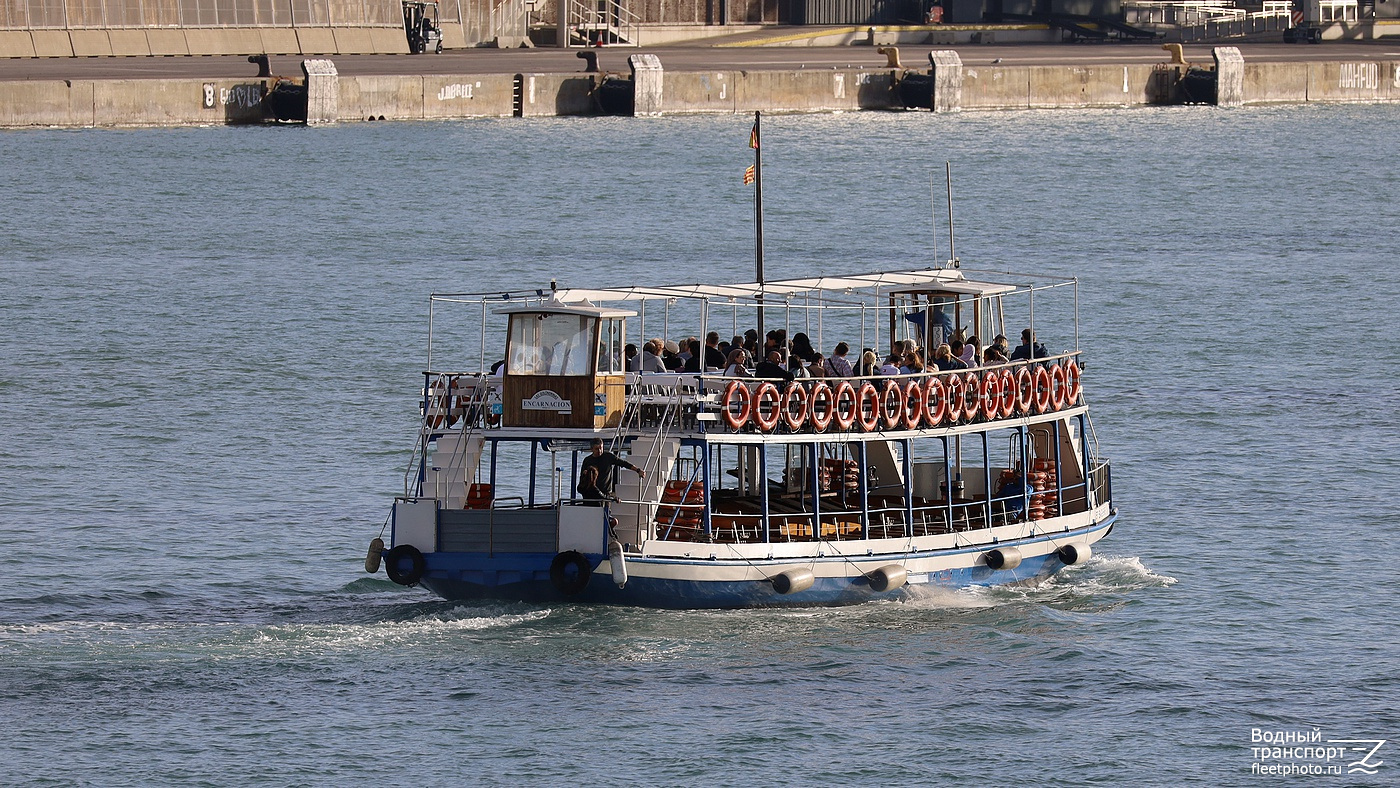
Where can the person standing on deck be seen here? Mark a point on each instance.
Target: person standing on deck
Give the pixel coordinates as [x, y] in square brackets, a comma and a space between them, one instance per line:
[598, 474]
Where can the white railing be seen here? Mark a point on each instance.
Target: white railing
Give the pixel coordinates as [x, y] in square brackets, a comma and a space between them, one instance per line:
[509, 23]
[600, 22]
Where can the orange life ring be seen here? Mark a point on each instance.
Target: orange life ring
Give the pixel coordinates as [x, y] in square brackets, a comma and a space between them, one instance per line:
[891, 404]
[1042, 390]
[795, 420]
[1025, 390]
[957, 398]
[1075, 388]
[822, 406]
[1008, 393]
[735, 420]
[846, 405]
[766, 395]
[1058, 387]
[973, 405]
[935, 401]
[991, 394]
[913, 414]
[869, 418]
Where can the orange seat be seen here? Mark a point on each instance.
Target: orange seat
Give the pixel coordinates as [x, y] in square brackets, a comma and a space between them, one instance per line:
[479, 496]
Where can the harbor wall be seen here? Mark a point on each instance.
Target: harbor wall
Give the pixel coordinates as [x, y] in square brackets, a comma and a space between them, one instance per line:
[167, 102]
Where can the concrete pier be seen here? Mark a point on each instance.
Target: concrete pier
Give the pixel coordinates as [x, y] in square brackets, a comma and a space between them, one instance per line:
[677, 85]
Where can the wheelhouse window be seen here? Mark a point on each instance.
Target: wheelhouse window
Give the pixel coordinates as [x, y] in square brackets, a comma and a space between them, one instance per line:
[610, 355]
[545, 343]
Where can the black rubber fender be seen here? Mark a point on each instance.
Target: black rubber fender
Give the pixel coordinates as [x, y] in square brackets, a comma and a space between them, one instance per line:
[393, 564]
[565, 582]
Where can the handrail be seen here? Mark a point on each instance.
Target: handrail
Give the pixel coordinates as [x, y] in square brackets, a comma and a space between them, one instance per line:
[612, 18]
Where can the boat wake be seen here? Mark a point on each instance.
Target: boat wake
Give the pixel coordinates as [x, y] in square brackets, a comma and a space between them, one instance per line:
[1100, 583]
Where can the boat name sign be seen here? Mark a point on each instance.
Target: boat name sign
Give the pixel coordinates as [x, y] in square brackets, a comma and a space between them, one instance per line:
[547, 400]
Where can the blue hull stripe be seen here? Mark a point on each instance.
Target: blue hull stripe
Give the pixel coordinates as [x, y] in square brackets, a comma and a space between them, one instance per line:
[525, 577]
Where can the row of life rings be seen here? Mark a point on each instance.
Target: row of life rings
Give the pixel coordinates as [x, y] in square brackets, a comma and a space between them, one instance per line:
[997, 393]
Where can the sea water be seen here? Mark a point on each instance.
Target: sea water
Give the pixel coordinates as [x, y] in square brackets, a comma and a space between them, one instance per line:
[211, 343]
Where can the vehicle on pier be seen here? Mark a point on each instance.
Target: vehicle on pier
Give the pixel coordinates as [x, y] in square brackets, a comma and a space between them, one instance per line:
[819, 490]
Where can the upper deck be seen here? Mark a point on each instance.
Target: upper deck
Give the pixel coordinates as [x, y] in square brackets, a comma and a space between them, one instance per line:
[563, 362]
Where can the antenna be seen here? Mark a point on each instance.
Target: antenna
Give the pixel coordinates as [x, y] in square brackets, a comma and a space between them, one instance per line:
[952, 249]
[933, 216]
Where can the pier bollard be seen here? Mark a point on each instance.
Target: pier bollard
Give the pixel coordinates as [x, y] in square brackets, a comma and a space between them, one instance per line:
[947, 73]
[322, 91]
[1229, 76]
[647, 77]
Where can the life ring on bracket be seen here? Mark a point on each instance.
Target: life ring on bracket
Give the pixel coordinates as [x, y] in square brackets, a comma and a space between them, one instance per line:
[973, 393]
[913, 414]
[845, 405]
[1058, 387]
[736, 420]
[935, 402]
[1042, 390]
[796, 392]
[767, 394]
[1025, 390]
[957, 398]
[1072, 382]
[991, 394]
[1008, 393]
[891, 404]
[821, 406]
[869, 418]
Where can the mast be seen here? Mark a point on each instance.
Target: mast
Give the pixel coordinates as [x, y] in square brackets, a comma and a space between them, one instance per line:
[758, 216]
[952, 250]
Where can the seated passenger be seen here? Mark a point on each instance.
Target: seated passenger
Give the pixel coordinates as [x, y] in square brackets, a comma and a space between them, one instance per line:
[798, 368]
[816, 367]
[802, 347]
[891, 365]
[1028, 348]
[991, 356]
[734, 365]
[943, 359]
[869, 363]
[970, 356]
[772, 368]
[837, 366]
[671, 356]
[651, 357]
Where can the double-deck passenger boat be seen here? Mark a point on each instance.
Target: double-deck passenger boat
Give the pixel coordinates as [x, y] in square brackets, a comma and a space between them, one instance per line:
[817, 491]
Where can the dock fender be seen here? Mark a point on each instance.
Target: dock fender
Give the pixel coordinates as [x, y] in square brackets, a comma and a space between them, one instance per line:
[395, 559]
[618, 562]
[570, 572]
[1076, 553]
[375, 555]
[792, 581]
[888, 577]
[1002, 558]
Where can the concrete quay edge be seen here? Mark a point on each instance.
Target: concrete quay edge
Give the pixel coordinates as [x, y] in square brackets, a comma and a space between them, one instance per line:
[363, 97]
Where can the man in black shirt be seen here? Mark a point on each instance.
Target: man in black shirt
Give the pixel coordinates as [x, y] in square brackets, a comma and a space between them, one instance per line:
[772, 367]
[603, 465]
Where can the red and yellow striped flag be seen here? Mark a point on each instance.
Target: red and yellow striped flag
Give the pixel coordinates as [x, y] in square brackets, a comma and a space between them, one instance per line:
[749, 175]
[753, 137]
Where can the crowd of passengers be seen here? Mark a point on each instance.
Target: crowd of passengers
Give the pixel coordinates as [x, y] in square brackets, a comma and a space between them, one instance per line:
[781, 358]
